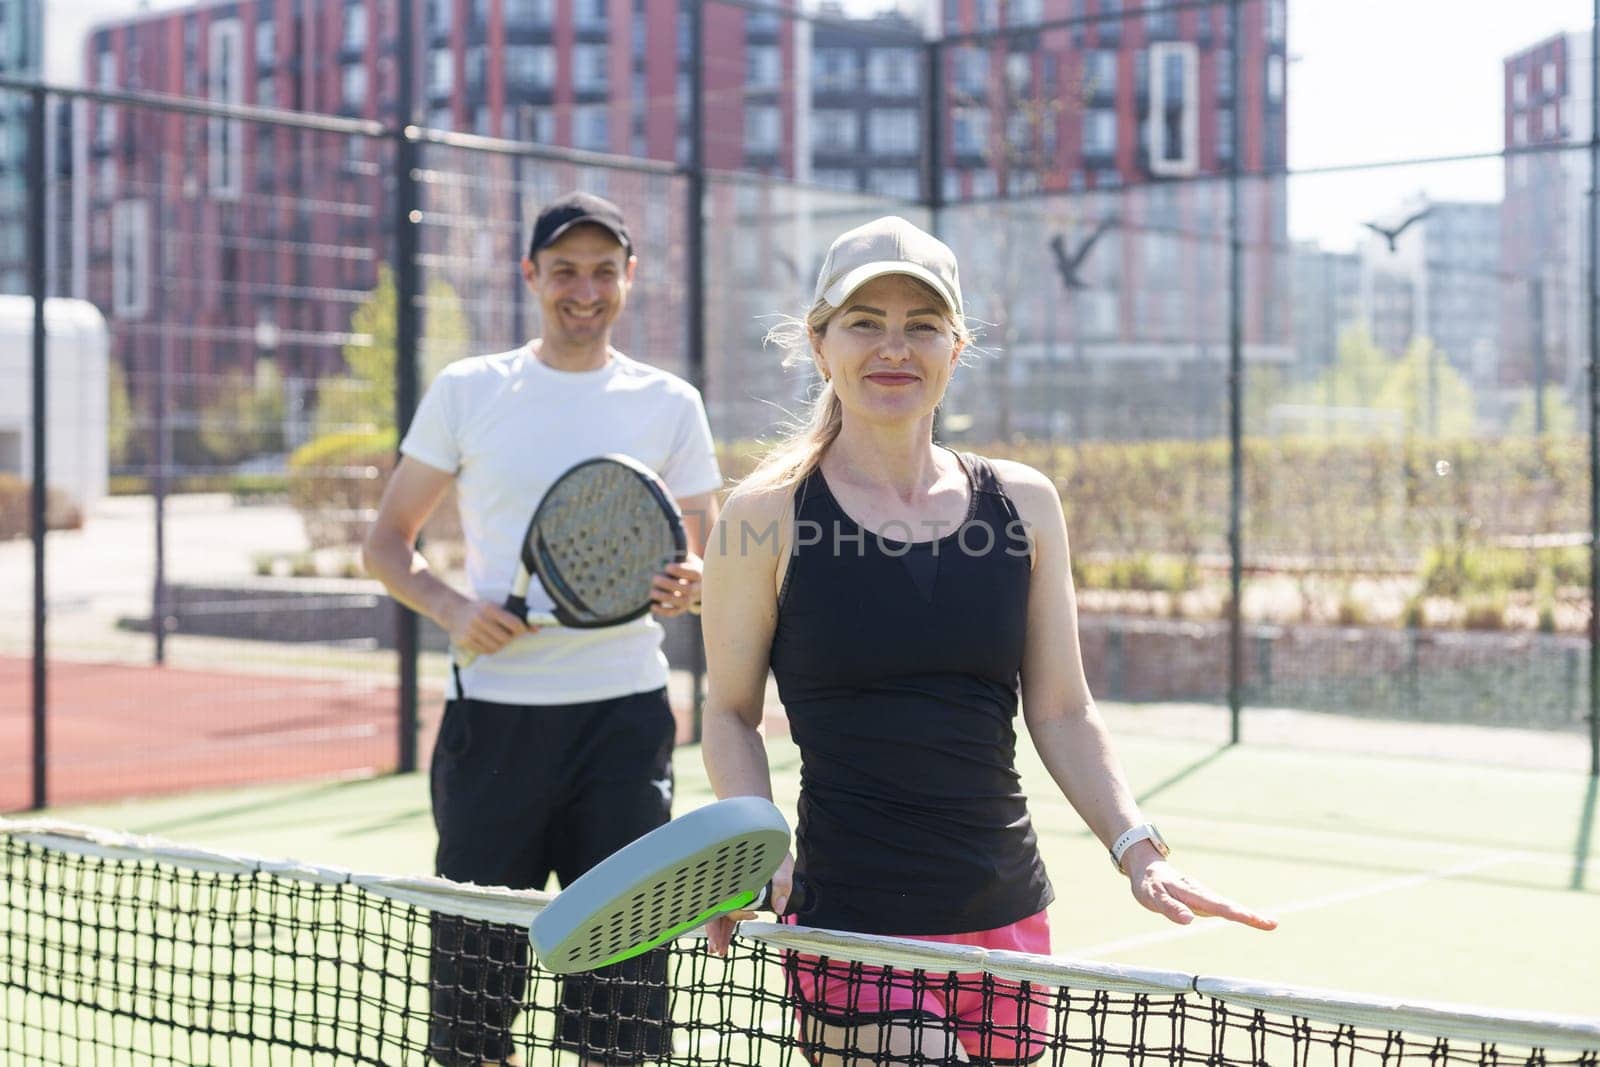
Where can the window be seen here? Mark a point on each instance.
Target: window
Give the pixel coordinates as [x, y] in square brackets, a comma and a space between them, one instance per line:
[985, 183]
[1547, 77]
[590, 70]
[1099, 132]
[1519, 130]
[1276, 19]
[267, 92]
[483, 122]
[763, 22]
[835, 130]
[1173, 131]
[591, 127]
[1019, 73]
[531, 66]
[763, 128]
[225, 74]
[438, 17]
[1275, 79]
[1225, 74]
[106, 177]
[130, 258]
[762, 66]
[529, 12]
[892, 131]
[1020, 133]
[266, 43]
[835, 178]
[441, 118]
[901, 181]
[1024, 12]
[590, 14]
[441, 71]
[1100, 72]
[105, 132]
[353, 86]
[536, 124]
[1225, 134]
[106, 70]
[971, 71]
[355, 26]
[1549, 127]
[892, 71]
[834, 70]
[1519, 87]
[971, 131]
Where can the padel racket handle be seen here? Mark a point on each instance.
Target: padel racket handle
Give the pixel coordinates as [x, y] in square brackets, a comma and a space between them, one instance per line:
[800, 898]
[517, 606]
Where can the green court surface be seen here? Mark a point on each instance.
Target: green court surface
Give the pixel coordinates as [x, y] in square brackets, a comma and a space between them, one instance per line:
[1392, 876]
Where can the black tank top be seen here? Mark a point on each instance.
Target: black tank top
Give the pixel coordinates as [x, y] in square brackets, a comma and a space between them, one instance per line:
[898, 665]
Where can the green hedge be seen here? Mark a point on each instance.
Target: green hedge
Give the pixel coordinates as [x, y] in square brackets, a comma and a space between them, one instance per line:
[1344, 504]
[1457, 513]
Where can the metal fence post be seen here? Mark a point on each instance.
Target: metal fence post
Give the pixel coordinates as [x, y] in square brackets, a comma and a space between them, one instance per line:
[1594, 393]
[37, 179]
[406, 219]
[1236, 392]
[695, 283]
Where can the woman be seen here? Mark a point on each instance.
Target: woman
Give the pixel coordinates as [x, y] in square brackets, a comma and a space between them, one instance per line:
[906, 593]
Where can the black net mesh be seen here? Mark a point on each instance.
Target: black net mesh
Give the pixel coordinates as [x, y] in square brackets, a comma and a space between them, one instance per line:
[114, 951]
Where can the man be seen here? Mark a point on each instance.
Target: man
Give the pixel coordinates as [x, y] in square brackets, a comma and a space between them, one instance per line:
[555, 747]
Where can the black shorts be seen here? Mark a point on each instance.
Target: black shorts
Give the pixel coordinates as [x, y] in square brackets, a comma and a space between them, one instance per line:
[520, 793]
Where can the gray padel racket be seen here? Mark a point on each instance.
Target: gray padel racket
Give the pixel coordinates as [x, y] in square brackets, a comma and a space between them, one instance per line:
[597, 540]
[715, 859]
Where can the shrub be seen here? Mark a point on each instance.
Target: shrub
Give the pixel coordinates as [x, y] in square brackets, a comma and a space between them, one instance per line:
[16, 509]
[336, 482]
[1485, 611]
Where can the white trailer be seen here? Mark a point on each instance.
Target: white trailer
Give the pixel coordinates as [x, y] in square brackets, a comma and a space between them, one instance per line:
[77, 388]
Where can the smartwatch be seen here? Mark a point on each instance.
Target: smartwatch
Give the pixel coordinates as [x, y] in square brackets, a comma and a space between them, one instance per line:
[1143, 832]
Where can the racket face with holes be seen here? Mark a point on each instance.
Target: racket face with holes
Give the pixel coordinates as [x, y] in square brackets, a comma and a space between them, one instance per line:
[600, 536]
[669, 881]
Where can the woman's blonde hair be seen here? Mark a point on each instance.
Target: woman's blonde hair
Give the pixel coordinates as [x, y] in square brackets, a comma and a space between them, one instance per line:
[792, 459]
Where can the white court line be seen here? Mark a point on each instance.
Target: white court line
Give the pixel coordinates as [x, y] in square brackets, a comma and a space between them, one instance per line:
[1344, 896]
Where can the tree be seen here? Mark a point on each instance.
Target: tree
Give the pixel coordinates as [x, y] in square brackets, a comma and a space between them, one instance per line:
[245, 418]
[120, 436]
[1559, 417]
[365, 401]
[1430, 394]
[1420, 393]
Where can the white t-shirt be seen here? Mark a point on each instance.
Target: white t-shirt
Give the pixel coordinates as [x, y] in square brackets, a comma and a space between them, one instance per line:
[507, 426]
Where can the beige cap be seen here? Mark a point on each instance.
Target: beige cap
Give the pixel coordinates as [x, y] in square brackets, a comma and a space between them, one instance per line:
[889, 245]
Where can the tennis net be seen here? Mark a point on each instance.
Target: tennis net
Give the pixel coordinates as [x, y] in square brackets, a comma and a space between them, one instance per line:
[118, 949]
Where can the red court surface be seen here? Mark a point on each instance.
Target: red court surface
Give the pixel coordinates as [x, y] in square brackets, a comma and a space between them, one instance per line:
[117, 730]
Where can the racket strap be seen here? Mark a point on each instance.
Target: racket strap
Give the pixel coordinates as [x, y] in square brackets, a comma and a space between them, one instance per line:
[455, 669]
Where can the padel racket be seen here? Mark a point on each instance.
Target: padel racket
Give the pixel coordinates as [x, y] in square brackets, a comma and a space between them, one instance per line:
[597, 540]
[715, 859]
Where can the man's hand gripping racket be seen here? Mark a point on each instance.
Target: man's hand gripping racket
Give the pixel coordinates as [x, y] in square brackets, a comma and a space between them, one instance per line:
[599, 537]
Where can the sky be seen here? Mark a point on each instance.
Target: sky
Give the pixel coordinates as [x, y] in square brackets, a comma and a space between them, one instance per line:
[1369, 80]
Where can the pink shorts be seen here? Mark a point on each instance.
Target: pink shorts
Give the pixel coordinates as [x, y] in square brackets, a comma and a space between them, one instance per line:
[995, 1020]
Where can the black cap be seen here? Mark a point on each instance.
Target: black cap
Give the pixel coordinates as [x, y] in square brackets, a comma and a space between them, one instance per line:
[575, 209]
